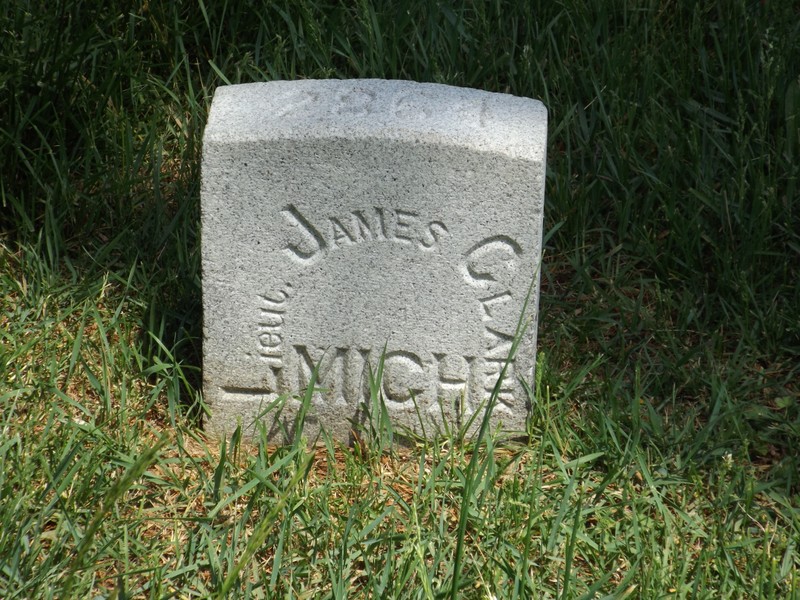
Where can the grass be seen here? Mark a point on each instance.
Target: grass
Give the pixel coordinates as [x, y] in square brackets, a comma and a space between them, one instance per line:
[662, 456]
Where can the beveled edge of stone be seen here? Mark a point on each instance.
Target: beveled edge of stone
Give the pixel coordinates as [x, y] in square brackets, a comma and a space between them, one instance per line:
[378, 108]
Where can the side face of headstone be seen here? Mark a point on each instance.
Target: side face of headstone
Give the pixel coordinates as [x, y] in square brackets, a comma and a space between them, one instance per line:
[346, 220]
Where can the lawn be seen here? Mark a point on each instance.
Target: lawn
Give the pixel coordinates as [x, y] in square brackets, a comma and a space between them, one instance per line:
[662, 458]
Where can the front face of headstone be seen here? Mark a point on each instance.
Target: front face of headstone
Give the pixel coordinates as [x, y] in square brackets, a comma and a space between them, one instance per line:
[346, 220]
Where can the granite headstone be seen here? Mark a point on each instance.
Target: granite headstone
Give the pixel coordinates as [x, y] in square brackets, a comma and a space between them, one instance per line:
[343, 220]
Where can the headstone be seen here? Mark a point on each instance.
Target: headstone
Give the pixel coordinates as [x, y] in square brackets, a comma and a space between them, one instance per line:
[346, 220]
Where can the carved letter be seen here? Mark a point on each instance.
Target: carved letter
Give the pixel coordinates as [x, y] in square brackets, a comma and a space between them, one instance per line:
[405, 221]
[498, 343]
[361, 226]
[412, 106]
[356, 102]
[403, 376]
[294, 102]
[271, 318]
[340, 233]
[491, 260]
[436, 230]
[382, 222]
[311, 236]
[456, 380]
[270, 339]
[269, 300]
[488, 303]
[272, 379]
[330, 371]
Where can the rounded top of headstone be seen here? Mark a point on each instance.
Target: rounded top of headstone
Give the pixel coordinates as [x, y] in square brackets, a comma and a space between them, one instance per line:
[374, 108]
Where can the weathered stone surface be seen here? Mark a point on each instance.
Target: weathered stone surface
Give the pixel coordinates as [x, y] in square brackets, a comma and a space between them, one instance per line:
[342, 217]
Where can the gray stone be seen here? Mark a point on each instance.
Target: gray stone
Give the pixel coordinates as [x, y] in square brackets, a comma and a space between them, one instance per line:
[342, 218]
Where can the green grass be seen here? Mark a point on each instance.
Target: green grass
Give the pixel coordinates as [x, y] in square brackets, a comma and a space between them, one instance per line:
[662, 459]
